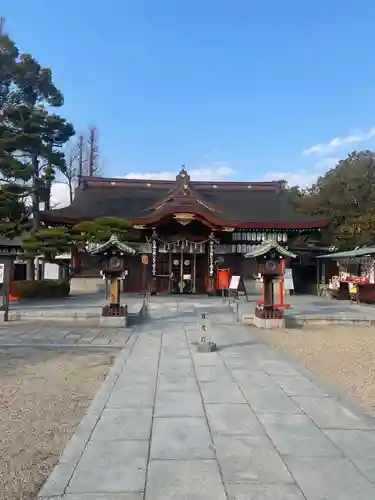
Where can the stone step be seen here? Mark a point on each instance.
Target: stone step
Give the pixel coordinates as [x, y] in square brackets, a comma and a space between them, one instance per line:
[93, 315]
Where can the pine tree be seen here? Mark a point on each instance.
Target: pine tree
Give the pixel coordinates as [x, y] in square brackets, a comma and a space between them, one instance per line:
[31, 138]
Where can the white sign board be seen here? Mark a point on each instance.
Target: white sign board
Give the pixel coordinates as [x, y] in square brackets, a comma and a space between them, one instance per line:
[288, 279]
[234, 282]
[2, 272]
[51, 271]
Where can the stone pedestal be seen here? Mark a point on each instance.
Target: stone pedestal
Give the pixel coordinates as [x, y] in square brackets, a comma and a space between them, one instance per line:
[113, 321]
[268, 323]
[206, 347]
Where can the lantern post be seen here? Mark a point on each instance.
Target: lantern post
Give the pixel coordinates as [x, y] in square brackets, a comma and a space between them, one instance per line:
[269, 257]
[113, 270]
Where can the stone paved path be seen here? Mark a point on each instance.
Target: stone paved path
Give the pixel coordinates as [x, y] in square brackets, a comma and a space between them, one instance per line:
[57, 335]
[239, 424]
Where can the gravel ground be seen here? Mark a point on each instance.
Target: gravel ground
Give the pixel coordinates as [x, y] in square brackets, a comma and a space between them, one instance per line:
[43, 396]
[343, 355]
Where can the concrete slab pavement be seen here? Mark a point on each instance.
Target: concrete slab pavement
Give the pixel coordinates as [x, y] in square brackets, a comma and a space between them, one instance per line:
[310, 309]
[78, 309]
[237, 424]
[55, 335]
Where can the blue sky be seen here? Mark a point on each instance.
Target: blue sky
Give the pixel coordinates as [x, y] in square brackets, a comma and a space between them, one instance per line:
[235, 89]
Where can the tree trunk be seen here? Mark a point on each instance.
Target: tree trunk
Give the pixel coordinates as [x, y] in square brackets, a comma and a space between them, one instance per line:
[71, 189]
[31, 272]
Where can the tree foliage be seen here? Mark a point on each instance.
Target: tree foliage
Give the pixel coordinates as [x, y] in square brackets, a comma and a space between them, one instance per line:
[13, 211]
[345, 195]
[100, 230]
[294, 193]
[49, 243]
[31, 137]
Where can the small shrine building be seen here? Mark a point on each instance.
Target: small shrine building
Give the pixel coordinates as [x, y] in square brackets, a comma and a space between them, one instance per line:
[188, 228]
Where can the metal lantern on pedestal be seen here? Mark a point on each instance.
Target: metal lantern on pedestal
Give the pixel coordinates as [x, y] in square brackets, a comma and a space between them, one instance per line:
[269, 257]
[113, 270]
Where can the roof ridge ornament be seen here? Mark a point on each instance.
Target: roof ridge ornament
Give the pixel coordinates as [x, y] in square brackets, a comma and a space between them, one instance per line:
[183, 176]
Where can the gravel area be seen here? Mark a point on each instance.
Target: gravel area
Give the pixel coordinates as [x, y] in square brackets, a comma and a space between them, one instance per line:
[343, 355]
[43, 396]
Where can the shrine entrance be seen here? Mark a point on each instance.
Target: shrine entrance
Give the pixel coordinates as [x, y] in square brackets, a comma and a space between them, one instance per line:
[183, 272]
[184, 263]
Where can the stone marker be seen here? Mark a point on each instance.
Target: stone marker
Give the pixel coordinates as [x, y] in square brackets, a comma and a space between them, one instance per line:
[205, 344]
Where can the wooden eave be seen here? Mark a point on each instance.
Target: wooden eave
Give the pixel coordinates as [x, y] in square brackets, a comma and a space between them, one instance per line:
[218, 222]
[194, 185]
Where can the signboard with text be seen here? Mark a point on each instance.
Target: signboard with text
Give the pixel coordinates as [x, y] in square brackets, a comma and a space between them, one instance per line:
[234, 282]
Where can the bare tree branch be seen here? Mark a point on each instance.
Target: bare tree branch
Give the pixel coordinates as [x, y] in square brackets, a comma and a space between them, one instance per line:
[92, 152]
[72, 167]
[2, 24]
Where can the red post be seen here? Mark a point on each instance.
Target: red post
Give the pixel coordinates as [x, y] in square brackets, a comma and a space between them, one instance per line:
[281, 284]
[281, 287]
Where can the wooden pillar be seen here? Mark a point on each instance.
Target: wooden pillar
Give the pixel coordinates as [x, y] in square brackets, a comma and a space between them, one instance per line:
[170, 283]
[268, 291]
[318, 277]
[194, 272]
[144, 262]
[114, 292]
[281, 283]
[76, 258]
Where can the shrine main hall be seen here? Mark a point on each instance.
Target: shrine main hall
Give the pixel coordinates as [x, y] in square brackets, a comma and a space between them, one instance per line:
[189, 230]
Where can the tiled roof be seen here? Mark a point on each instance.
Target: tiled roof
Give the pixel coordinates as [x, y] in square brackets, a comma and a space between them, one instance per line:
[138, 199]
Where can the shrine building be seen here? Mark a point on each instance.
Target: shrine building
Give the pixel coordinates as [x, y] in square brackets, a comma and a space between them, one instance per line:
[189, 229]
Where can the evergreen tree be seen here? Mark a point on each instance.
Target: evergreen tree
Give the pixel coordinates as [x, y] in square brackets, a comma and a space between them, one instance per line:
[31, 138]
[52, 242]
[346, 196]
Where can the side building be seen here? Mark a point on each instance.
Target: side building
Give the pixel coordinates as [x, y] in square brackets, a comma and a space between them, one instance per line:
[188, 228]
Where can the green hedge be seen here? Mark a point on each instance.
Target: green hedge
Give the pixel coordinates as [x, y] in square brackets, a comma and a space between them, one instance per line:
[40, 289]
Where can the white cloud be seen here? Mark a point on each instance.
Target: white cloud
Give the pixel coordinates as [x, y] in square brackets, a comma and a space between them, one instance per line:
[326, 163]
[302, 178]
[327, 148]
[216, 172]
[59, 195]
